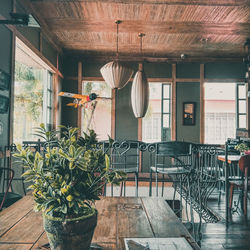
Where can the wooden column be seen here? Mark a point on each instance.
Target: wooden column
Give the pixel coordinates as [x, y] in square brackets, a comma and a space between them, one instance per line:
[55, 93]
[79, 117]
[202, 106]
[113, 116]
[173, 111]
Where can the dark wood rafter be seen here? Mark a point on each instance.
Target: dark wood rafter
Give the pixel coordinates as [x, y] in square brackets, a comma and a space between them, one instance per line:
[202, 105]
[79, 110]
[168, 2]
[173, 98]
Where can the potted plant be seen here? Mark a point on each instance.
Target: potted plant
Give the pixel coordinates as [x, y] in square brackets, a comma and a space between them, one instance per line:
[242, 148]
[67, 178]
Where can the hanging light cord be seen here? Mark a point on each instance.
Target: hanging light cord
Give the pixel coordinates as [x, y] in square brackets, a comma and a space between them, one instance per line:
[117, 40]
[141, 35]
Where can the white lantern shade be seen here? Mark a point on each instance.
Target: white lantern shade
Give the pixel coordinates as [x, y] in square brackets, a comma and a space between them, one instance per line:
[140, 94]
[116, 74]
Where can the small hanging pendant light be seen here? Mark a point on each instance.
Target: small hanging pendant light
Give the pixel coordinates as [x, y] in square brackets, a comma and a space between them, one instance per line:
[140, 90]
[115, 73]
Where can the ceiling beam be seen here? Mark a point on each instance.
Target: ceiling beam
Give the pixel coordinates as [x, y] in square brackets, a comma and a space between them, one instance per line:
[204, 28]
[166, 2]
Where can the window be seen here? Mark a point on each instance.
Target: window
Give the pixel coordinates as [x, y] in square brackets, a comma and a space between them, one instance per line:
[156, 123]
[97, 114]
[241, 106]
[32, 94]
[220, 112]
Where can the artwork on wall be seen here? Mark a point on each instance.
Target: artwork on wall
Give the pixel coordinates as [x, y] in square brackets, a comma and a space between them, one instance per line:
[4, 104]
[4, 80]
[188, 113]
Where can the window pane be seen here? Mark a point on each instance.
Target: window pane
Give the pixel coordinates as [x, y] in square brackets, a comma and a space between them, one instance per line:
[220, 113]
[100, 88]
[30, 94]
[166, 121]
[242, 121]
[166, 91]
[151, 123]
[166, 107]
[97, 114]
[242, 91]
[242, 106]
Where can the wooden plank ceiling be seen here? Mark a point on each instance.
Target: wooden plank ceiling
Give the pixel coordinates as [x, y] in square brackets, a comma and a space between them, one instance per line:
[200, 29]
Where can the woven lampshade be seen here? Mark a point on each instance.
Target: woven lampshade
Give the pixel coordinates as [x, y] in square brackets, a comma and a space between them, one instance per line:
[140, 94]
[116, 74]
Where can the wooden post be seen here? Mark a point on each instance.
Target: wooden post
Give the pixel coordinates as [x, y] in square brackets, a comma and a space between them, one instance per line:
[113, 115]
[79, 117]
[202, 106]
[173, 111]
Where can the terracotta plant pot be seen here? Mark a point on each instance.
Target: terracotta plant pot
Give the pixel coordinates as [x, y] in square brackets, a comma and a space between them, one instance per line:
[75, 234]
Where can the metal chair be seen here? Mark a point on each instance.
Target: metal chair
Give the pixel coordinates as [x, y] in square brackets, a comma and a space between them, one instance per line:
[7, 197]
[243, 184]
[125, 156]
[173, 160]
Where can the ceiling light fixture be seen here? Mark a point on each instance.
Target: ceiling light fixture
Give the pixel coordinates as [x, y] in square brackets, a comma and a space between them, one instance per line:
[115, 73]
[140, 89]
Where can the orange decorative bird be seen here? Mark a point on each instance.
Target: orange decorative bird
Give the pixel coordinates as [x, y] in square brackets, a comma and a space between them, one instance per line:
[79, 100]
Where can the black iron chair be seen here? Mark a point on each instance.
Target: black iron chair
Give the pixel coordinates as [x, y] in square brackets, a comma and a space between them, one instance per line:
[7, 197]
[173, 160]
[125, 156]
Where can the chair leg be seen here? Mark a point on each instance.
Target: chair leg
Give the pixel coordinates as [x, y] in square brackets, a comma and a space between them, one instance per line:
[121, 188]
[245, 197]
[136, 183]
[231, 195]
[124, 188]
[162, 187]
[112, 190]
[156, 180]
[150, 185]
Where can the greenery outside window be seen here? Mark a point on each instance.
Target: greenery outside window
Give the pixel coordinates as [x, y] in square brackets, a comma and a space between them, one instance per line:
[96, 115]
[32, 94]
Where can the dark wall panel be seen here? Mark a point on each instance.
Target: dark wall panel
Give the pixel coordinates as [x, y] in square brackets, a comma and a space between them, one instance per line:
[224, 70]
[188, 92]
[49, 52]
[5, 8]
[158, 70]
[31, 34]
[69, 114]
[70, 67]
[5, 65]
[126, 123]
[188, 70]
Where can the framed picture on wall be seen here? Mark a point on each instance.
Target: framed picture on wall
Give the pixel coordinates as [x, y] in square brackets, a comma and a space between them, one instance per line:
[189, 113]
[4, 80]
[4, 104]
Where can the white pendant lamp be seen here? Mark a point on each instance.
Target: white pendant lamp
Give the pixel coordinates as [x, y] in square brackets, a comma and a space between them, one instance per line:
[115, 73]
[140, 90]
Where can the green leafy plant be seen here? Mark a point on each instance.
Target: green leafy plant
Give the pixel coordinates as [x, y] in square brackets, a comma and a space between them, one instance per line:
[242, 147]
[69, 175]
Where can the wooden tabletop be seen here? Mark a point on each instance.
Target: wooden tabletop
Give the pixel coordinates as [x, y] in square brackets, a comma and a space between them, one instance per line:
[118, 217]
[230, 158]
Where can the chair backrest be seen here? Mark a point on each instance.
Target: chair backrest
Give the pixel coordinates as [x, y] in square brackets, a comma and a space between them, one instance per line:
[126, 154]
[174, 148]
[244, 163]
[174, 152]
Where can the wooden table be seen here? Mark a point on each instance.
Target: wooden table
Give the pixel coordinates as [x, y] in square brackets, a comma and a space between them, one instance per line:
[119, 217]
[230, 158]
